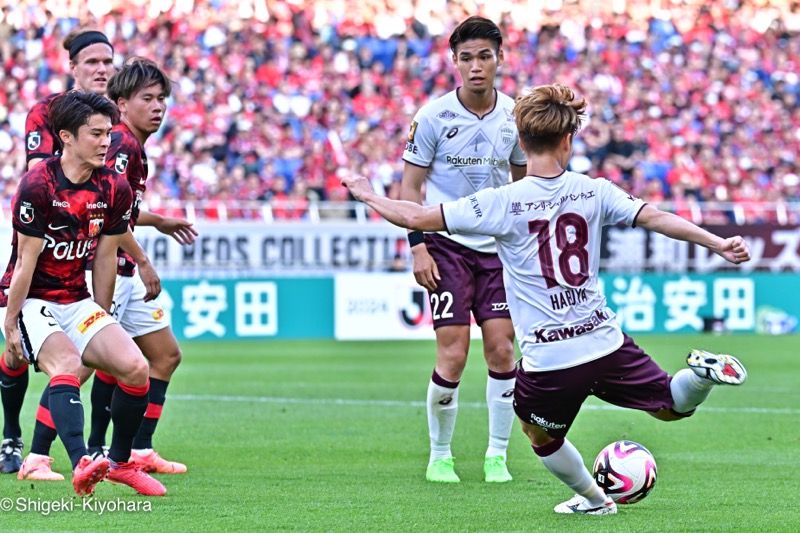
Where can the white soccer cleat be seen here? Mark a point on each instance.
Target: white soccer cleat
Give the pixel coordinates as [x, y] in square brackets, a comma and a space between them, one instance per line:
[719, 368]
[580, 505]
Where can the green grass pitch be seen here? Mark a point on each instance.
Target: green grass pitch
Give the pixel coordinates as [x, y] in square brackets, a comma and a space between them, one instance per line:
[326, 436]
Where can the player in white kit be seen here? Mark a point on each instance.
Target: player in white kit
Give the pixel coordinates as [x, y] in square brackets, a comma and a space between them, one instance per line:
[461, 143]
[548, 229]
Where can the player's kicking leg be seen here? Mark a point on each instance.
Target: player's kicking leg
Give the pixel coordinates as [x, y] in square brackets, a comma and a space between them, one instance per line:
[691, 386]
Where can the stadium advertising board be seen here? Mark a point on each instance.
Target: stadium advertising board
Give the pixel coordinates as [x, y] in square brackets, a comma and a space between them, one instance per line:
[383, 306]
[283, 308]
[626, 249]
[295, 246]
[305, 247]
[392, 306]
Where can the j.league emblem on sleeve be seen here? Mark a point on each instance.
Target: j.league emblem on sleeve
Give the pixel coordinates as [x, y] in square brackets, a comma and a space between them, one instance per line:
[34, 140]
[121, 164]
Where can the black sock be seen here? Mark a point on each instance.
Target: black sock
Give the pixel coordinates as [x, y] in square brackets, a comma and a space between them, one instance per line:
[102, 392]
[127, 410]
[44, 432]
[13, 385]
[155, 398]
[67, 412]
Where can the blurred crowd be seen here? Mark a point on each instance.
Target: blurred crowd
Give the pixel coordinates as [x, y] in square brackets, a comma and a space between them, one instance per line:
[690, 100]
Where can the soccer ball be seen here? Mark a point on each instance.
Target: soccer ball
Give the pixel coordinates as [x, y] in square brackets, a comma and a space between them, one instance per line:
[626, 471]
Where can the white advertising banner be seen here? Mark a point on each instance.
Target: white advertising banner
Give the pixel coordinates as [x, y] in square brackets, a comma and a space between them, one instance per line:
[383, 306]
[293, 246]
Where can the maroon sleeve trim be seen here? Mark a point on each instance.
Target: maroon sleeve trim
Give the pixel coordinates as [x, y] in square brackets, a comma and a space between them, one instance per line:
[441, 208]
[416, 165]
[637, 215]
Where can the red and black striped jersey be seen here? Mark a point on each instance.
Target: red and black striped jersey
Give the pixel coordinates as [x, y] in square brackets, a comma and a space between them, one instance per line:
[40, 139]
[126, 157]
[70, 218]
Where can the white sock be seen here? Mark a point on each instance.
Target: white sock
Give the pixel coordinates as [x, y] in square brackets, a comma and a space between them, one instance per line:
[689, 390]
[567, 465]
[143, 451]
[442, 411]
[500, 399]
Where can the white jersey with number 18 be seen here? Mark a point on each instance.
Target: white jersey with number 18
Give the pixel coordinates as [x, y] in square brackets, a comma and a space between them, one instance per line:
[464, 153]
[548, 237]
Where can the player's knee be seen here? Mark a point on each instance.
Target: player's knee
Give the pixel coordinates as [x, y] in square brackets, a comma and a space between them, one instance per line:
[136, 372]
[166, 361]
[173, 358]
[499, 354]
[65, 364]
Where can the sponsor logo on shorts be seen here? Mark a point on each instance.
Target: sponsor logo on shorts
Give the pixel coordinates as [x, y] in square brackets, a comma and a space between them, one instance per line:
[559, 334]
[89, 322]
[502, 306]
[508, 394]
[546, 424]
[158, 314]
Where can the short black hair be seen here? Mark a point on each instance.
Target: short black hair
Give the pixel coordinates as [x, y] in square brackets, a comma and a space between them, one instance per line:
[73, 109]
[476, 27]
[136, 74]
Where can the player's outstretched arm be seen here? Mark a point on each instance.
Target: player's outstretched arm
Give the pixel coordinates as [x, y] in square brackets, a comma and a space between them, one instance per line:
[733, 249]
[399, 212]
[179, 229]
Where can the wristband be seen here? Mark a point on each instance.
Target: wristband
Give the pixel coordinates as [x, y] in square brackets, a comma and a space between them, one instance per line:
[415, 238]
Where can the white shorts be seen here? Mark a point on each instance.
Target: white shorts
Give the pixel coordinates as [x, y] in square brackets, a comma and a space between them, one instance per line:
[136, 316]
[39, 319]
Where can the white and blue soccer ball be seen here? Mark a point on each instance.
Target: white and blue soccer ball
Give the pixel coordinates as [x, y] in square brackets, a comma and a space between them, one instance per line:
[626, 471]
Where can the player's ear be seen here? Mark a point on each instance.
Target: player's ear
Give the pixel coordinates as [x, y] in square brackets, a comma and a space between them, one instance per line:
[500, 57]
[122, 105]
[65, 136]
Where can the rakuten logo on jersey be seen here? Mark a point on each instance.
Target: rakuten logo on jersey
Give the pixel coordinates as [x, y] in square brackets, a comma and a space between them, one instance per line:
[460, 161]
[98, 205]
[67, 250]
